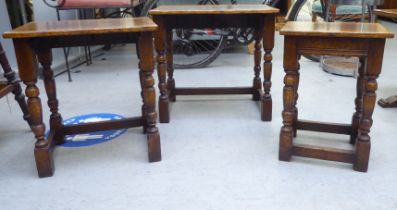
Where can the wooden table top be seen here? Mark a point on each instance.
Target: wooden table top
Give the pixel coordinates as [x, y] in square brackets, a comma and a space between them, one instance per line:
[336, 29]
[390, 13]
[214, 9]
[82, 27]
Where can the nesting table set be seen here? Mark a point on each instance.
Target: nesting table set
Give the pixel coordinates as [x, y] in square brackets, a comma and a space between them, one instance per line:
[363, 40]
[259, 17]
[35, 40]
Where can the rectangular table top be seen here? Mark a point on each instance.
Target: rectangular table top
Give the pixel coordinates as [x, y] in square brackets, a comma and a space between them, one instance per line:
[213, 9]
[82, 27]
[390, 13]
[336, 29]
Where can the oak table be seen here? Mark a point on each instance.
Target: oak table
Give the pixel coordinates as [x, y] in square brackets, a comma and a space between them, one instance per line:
[38, 38]
[392, 100]
[259, 17]
[363, 40]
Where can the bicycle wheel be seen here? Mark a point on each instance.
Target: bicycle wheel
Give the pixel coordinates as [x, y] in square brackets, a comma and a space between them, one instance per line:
[295, 10]
[293, 16]
[194, 48]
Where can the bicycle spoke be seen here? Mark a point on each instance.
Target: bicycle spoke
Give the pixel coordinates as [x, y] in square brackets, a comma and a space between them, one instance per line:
[202, 46]
[197, 48]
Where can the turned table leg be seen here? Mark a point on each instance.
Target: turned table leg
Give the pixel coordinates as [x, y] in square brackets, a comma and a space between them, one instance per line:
[170, 66]
[257, 83]
[28, 74]
[360, 87]
[291, 68]
[143, 108]
[296, 99]
[268, 45]
[161, 70]
[374, 65]
[149, 96]
[45, 58]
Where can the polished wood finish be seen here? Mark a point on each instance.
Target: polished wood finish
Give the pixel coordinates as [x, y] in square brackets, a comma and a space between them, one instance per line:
[81, 27]
[223, 9]
[31, 44]
[391, 101]
[12, 85]
[343, 39]
[390, 13]
[336, 29]
[259, 17]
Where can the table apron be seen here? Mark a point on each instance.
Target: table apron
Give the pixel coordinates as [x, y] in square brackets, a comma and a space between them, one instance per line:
[83, 40]
[338, 46]
[216, 21]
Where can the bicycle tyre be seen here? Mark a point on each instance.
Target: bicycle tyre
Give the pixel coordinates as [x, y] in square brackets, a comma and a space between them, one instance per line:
[214, 54]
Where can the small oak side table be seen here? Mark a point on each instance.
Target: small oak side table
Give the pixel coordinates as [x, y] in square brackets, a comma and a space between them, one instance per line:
[259, 17]
[36, 39]
[363, 40]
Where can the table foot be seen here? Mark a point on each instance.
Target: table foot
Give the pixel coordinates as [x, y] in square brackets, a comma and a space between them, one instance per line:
[266, 109]
[44, 162]
[362, 156]
[44, 157]
[164, 113]
[285, 147]
[154, 147]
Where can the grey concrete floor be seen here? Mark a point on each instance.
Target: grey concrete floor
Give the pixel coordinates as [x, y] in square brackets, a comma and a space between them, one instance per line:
[217, 153]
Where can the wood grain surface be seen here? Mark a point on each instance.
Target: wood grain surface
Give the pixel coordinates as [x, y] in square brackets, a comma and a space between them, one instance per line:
[390, 13]
[336, 29]
[214, 9]
[82, 27]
